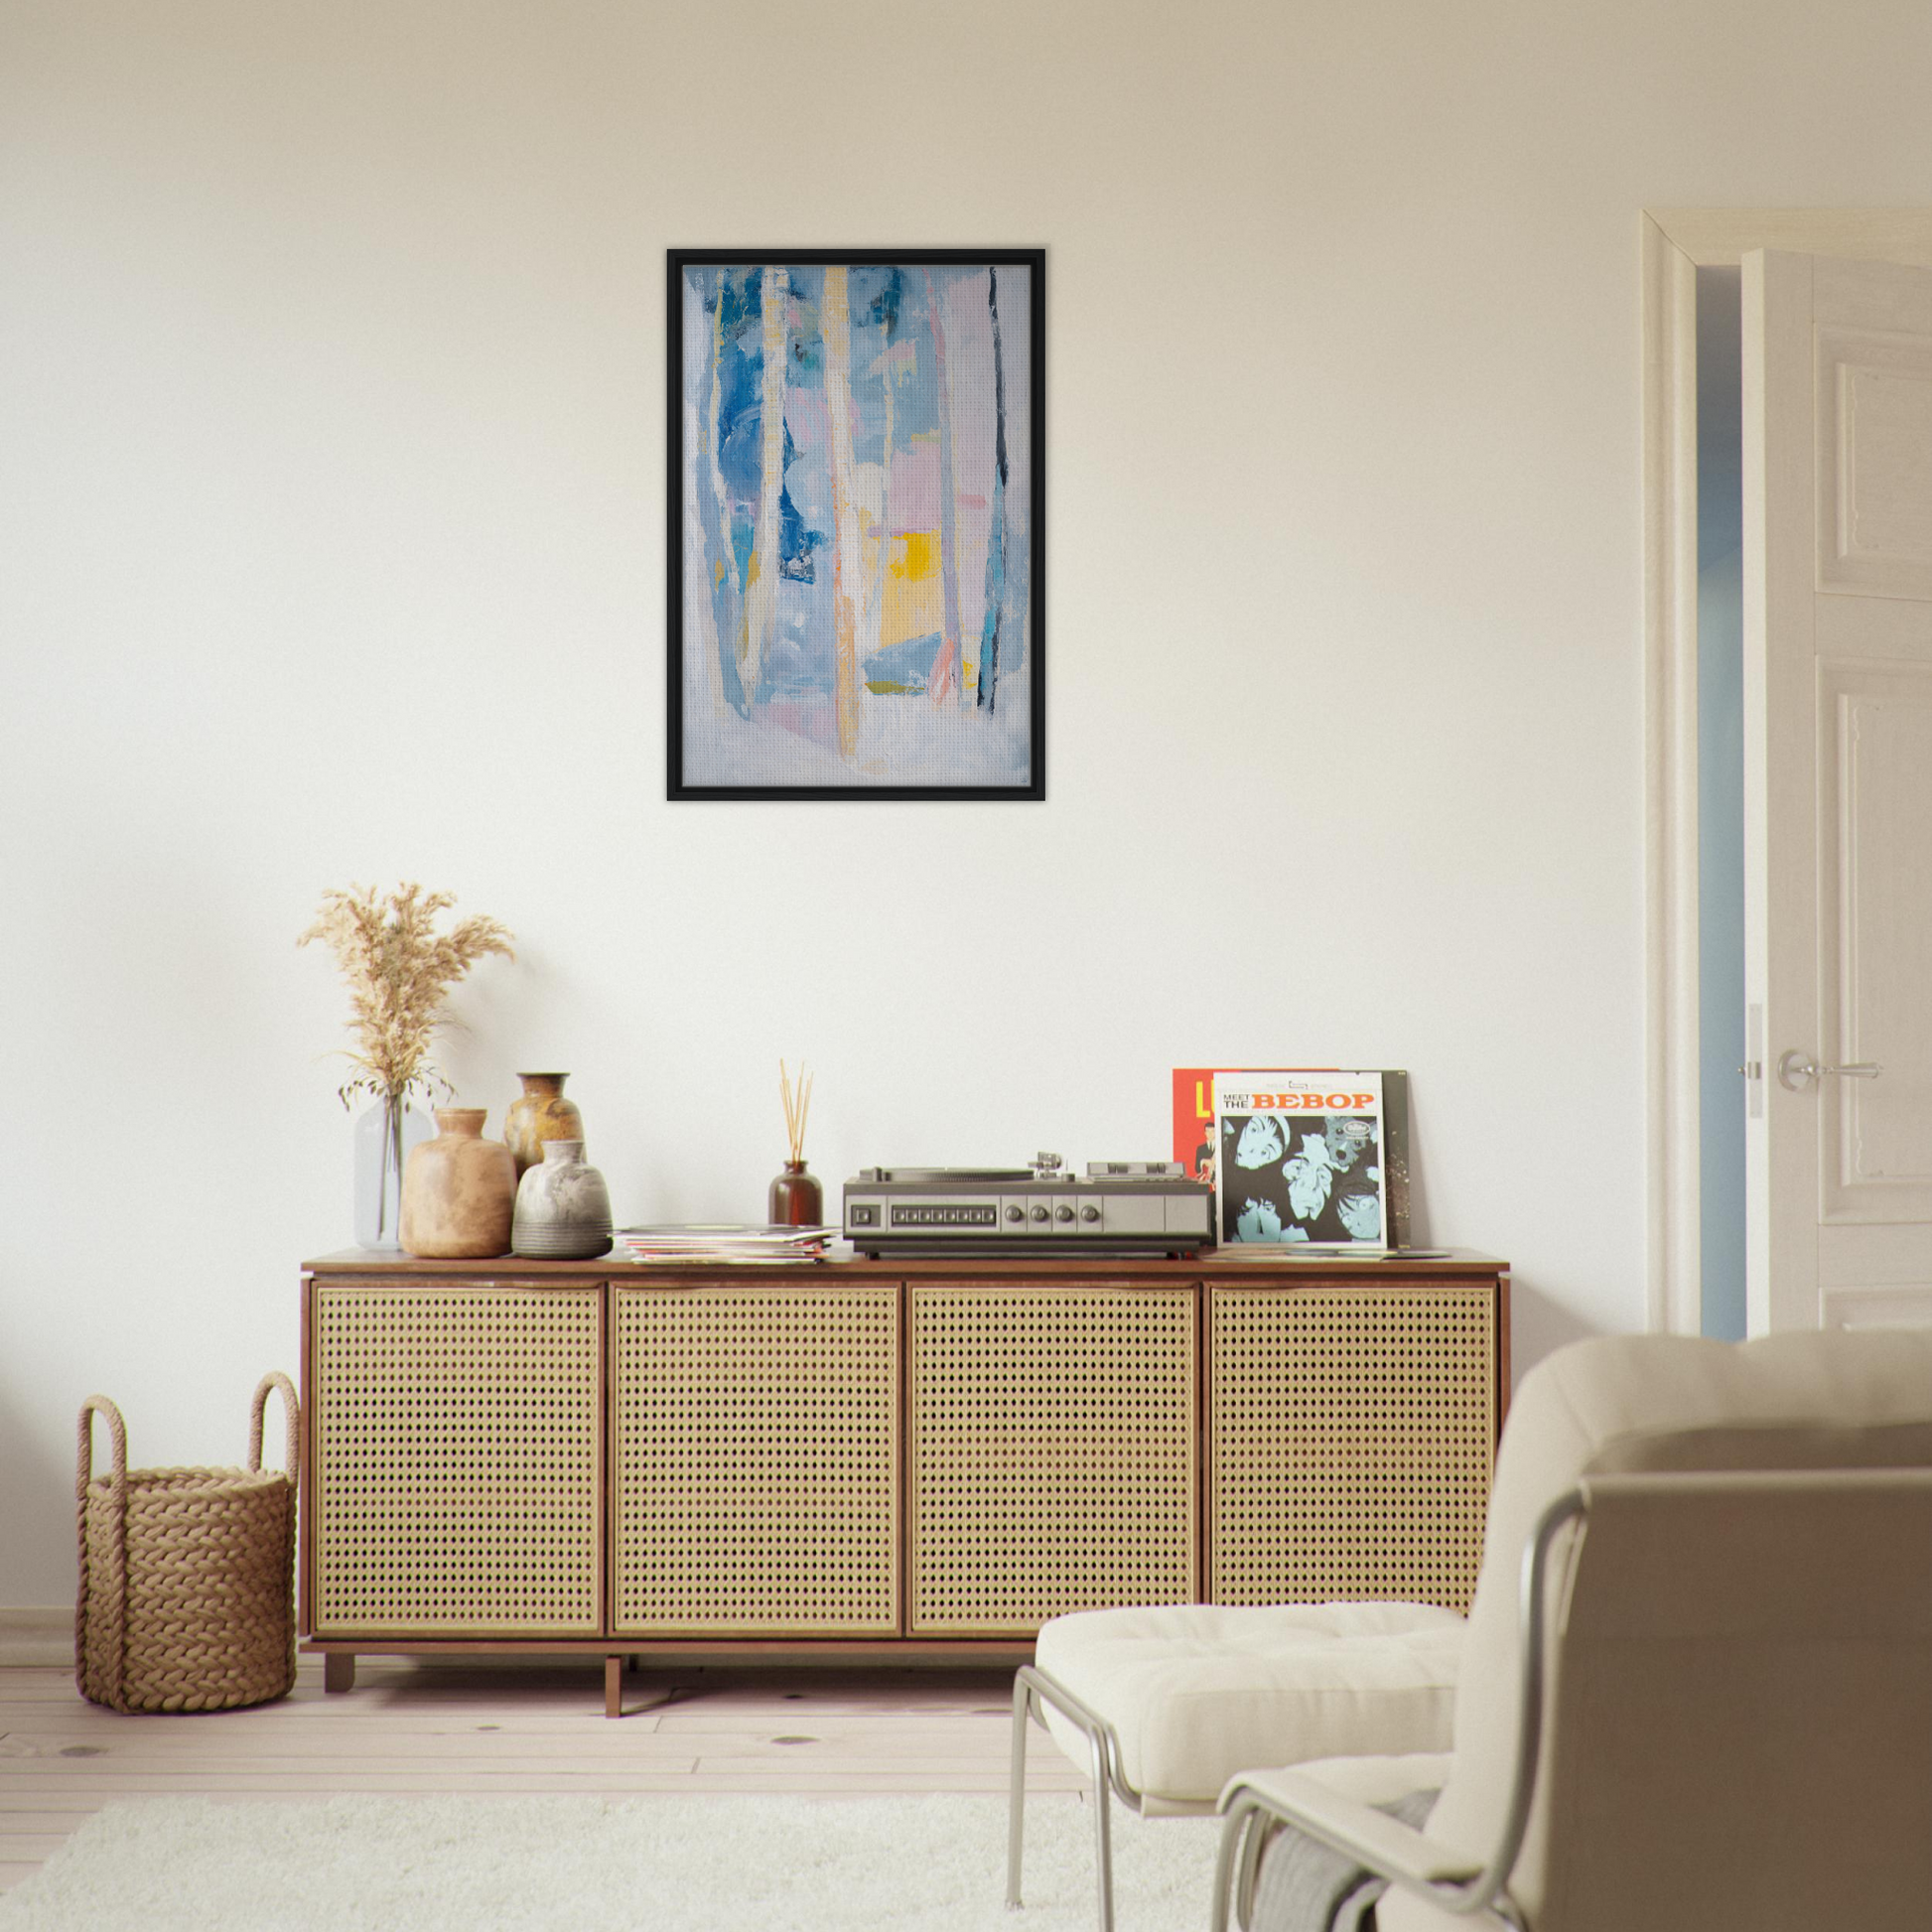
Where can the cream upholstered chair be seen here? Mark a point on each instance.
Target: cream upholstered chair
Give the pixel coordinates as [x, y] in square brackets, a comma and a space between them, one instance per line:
[1162, 1705]
[1697, 1685]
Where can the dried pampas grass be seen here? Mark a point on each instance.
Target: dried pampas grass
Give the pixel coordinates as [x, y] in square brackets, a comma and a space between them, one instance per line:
[398, 969]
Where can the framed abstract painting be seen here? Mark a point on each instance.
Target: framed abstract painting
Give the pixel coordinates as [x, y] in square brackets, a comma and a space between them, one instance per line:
[856, 544]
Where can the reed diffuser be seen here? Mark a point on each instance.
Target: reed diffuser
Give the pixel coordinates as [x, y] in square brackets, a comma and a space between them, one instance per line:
[795, 1200]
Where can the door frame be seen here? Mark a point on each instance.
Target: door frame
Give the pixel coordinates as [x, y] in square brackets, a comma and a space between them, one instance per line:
[1676, 243]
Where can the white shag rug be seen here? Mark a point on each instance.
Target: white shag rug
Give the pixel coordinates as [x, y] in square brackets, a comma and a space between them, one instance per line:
[754, 1863]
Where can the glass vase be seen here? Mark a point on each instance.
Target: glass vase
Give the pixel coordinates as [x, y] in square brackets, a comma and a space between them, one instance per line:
[384, 1135]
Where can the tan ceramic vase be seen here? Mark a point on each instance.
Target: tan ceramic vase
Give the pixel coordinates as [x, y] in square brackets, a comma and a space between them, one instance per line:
[540, 1114]
[458, 1191]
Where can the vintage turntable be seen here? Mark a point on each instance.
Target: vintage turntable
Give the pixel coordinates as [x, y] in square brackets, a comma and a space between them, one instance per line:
[1129, 1207]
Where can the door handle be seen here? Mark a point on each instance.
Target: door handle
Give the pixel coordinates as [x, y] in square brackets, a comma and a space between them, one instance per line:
[1797, 1069]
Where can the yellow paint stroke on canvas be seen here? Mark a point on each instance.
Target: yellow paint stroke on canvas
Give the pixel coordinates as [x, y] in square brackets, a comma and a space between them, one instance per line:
[914, 606]
[918, 555]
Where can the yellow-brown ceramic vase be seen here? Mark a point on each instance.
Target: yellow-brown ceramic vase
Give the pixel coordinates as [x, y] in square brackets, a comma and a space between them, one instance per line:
[540, 1114]
[458, 1191]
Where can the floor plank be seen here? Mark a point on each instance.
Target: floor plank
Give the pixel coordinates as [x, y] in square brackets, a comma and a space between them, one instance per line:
[59, 1754]
[25, 1847]
[511, 1728]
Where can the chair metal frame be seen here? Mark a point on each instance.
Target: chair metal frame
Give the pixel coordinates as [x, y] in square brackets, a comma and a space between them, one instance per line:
[1032, 1689]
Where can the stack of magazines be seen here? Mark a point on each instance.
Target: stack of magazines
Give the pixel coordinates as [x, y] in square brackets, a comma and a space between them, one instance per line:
[698, 1241]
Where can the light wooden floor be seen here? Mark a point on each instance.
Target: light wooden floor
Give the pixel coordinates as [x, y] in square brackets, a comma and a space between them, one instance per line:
[510, 1728]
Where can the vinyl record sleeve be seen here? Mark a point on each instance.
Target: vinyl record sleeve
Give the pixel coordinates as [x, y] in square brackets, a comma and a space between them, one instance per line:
[1197, 1147]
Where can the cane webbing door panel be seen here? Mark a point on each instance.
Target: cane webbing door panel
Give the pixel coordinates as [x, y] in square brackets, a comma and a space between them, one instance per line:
[457, 1459]
[756, 1454]
[1352, 1435]
[1053, 1466]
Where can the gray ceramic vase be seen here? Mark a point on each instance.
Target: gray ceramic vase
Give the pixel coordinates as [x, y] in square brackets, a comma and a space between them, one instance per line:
[562, 1208]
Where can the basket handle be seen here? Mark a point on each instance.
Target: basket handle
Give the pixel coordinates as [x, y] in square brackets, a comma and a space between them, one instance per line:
[291, 1408]
[113, 1639]
[117, 1433]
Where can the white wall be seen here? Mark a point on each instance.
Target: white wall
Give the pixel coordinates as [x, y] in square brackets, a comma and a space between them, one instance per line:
[331, 428]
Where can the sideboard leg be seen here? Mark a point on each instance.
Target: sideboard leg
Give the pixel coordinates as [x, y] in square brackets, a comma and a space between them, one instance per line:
[339, 1670]
[614, 1687]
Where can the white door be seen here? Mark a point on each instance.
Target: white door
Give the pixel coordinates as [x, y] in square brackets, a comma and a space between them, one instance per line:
[1837, 781]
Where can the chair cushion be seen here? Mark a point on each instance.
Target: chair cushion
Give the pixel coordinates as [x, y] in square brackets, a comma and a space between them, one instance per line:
[1197, 1692]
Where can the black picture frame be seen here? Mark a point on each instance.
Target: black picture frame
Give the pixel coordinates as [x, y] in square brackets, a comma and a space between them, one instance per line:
[685, 516]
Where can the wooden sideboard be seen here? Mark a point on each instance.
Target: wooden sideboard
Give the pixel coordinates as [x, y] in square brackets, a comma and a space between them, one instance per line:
[879, 1459]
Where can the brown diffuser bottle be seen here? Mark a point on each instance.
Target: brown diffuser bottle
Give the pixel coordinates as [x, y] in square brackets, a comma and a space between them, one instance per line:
[795, 1199]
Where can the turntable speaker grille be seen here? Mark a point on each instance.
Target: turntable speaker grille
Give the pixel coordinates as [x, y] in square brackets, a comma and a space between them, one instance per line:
[1352, 1439]
[756, 1460]
[1052, 1453]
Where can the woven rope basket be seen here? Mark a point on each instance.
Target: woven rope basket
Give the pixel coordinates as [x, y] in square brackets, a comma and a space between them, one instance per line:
[187, 1576]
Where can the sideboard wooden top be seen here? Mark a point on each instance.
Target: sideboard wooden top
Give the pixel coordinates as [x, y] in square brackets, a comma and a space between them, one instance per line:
[1217, 1263]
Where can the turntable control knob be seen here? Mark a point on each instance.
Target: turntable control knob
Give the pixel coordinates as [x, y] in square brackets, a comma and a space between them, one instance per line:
[1015, 1213]
[1089, 1212]
[1040, 1214]
[1063, 1212]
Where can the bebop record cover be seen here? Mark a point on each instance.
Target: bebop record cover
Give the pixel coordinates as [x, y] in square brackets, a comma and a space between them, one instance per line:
[1304, 1158]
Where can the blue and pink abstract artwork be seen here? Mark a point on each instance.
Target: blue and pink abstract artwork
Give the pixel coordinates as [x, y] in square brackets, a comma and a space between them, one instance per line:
[856, 541]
